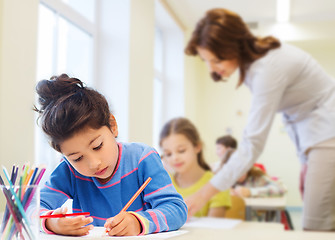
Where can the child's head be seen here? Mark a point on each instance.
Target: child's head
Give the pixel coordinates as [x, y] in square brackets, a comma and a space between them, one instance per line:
[79, 124]
[182, 145]
[254, 172]
[223, 144]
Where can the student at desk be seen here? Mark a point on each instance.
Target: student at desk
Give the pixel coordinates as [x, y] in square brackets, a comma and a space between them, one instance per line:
[182, 149]
[255, 183]
[100, 174]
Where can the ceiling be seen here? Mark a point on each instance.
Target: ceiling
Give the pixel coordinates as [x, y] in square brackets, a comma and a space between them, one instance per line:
[260, 11]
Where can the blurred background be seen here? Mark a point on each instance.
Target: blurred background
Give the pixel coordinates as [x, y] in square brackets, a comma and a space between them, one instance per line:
[132, 52]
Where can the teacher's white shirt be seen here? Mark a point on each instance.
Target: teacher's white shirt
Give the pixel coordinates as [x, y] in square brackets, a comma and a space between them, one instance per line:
[290, 81]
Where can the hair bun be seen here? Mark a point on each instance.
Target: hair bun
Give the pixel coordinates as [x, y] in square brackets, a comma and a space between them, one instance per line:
[57, 87]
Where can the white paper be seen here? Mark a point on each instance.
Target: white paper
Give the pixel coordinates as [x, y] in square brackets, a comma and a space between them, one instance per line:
[99, 232]
[213, 223]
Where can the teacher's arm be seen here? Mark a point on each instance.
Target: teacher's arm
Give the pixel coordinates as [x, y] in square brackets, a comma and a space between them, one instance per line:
[200, 198]
[267, 88]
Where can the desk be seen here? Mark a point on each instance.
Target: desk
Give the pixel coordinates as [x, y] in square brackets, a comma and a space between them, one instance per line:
[266, 204]
[188, 232]
[253, 234]
[243, 231]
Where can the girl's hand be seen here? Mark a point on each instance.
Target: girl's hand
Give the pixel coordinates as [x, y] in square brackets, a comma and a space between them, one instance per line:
[123, 224]
[74, 226]
[242, 191]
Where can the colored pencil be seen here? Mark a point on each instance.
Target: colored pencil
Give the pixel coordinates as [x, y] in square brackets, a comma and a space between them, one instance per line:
[7, 213]
[18, 202]
[10, 206]
[135, 196]
[14, 219]
[65, 215]
[28, 197]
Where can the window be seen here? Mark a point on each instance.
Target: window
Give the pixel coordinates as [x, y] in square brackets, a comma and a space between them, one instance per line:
[65, 45]
[169, 74]
[158, 87]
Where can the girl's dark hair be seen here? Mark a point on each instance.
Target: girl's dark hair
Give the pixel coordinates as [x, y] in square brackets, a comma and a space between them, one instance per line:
[67, 106]
[225, 34]
[227, 141]
[225, 158]
[185, 127]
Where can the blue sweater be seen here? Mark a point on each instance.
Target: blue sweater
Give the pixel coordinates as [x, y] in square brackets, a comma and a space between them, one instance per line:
[159, 207]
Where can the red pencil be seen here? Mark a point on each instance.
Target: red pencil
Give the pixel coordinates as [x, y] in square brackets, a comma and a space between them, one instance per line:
[65, 215]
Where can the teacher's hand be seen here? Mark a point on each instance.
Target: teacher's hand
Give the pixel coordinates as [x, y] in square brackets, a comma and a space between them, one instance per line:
[199, 199]
[243, 192]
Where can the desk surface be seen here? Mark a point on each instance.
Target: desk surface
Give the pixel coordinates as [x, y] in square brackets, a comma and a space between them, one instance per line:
[266, 203]
[253, 234]
[243, 231]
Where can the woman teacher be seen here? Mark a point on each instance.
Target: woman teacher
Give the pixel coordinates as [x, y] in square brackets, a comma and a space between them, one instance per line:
[281, 78]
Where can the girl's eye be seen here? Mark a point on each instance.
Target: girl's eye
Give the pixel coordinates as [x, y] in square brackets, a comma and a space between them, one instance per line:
[182, 151]
[98, 147]
[78, 159]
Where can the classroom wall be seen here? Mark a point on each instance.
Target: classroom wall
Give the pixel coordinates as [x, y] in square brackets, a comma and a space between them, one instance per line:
[124, 71]
[17, 80]
[220, 108]
[141, 71]
[193, 77]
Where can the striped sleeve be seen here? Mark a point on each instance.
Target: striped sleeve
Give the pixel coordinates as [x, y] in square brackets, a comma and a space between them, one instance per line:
[168, 210]
[43, 227]
[58, 189]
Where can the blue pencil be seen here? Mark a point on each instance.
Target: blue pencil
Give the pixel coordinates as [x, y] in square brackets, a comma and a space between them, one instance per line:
[33, 177]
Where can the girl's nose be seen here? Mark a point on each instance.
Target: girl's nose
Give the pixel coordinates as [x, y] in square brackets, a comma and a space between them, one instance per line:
[94, 163]
[174, 157]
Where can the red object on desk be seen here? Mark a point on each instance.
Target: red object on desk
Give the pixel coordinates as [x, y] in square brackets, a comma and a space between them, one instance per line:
[66, 215]
[260, 166]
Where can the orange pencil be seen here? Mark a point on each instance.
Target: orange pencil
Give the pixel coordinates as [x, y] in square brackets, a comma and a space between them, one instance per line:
[135, 196]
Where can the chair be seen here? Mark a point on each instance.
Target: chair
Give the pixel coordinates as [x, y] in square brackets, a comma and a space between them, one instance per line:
[237, 209]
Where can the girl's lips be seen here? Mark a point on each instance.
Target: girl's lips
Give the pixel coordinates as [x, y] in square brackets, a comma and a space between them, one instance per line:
[178, 165]
[102, 172]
